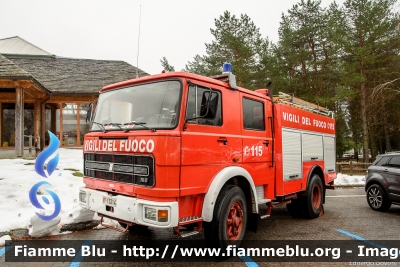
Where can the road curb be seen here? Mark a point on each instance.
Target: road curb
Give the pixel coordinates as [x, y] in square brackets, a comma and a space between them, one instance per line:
[350, 186]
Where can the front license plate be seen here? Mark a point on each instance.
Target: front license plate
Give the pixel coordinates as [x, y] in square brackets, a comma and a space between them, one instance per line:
[110, 201]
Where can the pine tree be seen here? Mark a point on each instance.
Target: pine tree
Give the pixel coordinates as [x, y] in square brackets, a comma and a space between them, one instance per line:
[365, 35]
[306, 54]
[237, 41]
[165, 64]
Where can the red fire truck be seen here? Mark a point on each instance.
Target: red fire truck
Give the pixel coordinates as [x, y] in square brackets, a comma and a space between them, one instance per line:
[183, 151]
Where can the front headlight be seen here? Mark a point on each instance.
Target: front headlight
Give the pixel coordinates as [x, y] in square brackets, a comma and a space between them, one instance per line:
[150, 214]
[156, 215]
[82, 196]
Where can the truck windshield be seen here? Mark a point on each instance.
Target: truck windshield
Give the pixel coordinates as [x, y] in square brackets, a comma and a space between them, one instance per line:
[155, 105]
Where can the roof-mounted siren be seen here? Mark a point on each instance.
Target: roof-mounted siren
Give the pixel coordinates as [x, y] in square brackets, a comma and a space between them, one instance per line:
[227, 70]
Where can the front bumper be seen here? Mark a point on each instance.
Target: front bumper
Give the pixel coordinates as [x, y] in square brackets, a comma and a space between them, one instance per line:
[129, 209]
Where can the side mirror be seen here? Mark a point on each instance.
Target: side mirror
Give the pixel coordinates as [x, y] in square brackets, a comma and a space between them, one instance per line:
[90, 112]
[209, 105]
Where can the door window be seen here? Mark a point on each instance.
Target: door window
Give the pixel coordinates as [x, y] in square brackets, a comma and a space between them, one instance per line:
[382, 161]
[194, 106]
[253, 115]
[394, 162]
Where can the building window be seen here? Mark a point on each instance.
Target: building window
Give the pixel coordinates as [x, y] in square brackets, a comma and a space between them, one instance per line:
[8, 124]
[74, 125]
[84, 127]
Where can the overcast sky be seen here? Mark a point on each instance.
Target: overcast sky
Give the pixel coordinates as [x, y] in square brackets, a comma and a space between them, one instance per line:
[109, 29]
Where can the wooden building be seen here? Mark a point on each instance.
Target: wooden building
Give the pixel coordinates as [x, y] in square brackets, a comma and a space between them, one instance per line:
[41, 92]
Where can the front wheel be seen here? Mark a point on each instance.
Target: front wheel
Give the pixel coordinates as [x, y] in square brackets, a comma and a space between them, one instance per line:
[230, 217]
[377, 198]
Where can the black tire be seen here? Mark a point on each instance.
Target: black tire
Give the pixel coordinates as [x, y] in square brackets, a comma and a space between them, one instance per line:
[377, 198]
[229, 223]
[134, 228]
[313, 203]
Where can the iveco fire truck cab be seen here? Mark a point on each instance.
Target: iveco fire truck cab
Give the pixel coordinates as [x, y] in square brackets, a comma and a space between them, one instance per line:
[179, 149]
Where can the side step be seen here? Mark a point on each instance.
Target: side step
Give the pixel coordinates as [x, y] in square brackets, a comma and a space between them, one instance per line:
[189, 234]
[177, 230]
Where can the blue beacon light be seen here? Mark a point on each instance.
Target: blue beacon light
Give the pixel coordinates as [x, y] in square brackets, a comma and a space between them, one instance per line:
[227, 67]
[227, 70]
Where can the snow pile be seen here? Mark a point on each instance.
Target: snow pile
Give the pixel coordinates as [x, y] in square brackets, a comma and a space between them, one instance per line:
[345, 179]
[39, 228]
[77, 215]
[17, 178]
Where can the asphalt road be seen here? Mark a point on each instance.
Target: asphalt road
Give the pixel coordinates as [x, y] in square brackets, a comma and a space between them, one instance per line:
[347, 217]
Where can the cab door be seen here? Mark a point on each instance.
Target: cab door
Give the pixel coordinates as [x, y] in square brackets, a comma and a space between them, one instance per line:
[257, 139]
[209, 145]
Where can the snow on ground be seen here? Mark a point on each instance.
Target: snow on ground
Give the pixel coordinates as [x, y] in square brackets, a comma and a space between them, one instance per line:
[17, 176]
[345, 179]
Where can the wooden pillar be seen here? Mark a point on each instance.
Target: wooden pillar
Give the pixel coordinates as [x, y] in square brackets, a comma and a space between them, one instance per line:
[1, 123]
[78, 124]
[19, 122]
[36, 122]
[53, 120]
[61, 124]
[42, 126]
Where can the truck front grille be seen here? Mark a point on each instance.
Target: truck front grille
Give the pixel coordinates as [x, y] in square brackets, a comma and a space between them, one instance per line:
[131, 169]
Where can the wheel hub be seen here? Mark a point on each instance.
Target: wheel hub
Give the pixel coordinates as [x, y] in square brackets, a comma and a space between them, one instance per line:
[316, 197]
[375, 197]
[234, 222]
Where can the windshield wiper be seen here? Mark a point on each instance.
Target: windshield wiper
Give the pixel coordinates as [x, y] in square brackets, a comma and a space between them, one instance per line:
[118, 125]
[143, 124]
[101, 126]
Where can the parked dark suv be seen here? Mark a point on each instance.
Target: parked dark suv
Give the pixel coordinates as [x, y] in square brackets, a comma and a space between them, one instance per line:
[382, 182]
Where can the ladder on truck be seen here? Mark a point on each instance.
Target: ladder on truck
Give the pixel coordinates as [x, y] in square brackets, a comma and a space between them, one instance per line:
[290, 100]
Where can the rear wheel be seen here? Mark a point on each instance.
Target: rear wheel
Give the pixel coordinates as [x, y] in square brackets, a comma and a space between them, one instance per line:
[230, 216]
[377, 198]
[314, 198]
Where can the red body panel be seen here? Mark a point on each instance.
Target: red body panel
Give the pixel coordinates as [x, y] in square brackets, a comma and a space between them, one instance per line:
[190, 206]
[297, 119]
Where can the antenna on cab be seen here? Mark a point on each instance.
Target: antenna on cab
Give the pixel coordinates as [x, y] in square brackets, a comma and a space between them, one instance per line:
[137, 57]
